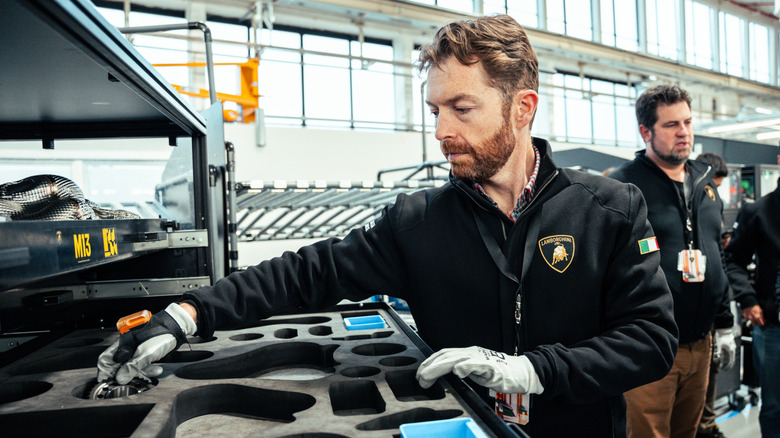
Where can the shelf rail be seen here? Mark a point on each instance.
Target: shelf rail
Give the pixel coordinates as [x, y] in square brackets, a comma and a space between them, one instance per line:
[278, 210]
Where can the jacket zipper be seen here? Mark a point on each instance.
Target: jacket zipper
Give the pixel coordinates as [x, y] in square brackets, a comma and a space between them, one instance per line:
[518, 295]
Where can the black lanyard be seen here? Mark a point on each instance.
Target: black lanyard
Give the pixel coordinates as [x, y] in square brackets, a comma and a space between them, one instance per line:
[688, 204]
[503, 264]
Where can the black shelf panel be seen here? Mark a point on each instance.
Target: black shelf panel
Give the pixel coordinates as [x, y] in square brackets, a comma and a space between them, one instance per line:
[63, 63]
[35, 250]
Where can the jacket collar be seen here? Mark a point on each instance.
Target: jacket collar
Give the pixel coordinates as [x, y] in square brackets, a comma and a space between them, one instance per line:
[546, 169]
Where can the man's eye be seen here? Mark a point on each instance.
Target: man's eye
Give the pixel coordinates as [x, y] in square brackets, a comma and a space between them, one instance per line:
[462, 110]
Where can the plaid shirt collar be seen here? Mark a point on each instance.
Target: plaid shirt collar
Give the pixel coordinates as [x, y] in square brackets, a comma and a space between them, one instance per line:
[525, 196]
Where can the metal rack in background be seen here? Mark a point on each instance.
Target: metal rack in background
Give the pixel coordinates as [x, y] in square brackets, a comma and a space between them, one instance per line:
[278, 210]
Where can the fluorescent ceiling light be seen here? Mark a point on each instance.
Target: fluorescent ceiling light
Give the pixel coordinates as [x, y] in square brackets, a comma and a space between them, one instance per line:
[743, 125]
[768, 135]
[761, 110]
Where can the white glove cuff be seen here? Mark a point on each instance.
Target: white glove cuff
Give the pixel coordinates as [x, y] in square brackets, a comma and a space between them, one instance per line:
[182, 318]
[723, 332]
[534, 385]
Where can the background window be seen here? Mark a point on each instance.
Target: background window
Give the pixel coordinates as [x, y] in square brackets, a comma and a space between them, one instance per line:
[526, 12]
[759, 52]
[698, 34]
[373, 86]
[619, 24]
[732, 39]
[326, 81]
[570, 17]
[280, 77]
[663, 24]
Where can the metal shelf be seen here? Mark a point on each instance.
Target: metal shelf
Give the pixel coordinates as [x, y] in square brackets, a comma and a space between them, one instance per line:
[68, 73]
[278, 210]
[36, 250]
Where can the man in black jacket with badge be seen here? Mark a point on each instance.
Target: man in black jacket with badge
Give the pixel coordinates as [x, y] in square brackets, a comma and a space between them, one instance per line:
[685, 212]
[534, 282]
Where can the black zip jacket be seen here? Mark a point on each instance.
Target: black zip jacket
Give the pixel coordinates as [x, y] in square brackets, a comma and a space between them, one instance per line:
[595, 323]
[757, 230]
[697, 306]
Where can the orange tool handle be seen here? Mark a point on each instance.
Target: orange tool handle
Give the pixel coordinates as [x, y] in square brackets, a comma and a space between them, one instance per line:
[129, 322]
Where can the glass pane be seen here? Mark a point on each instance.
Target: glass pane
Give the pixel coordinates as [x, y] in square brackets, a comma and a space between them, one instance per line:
[492, 7]
[327, 93]
[626, 25]
[525, 12]
[280, 88]
[556, 22]
[627, 130]
[663, 20]
[318, 43]
[541, 124]
[372, 51]
[732, 36]
[458, 5]
[698, 38]
[418, 97]
[603, 112]
[281, 39]
[373, 96]
[759, 52]
[578, 19]
[559, 109]
[113, 16]
[607, 23]
[578, 111]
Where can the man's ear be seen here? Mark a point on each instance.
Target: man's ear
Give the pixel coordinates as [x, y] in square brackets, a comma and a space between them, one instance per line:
[646, 133]
[526, 102]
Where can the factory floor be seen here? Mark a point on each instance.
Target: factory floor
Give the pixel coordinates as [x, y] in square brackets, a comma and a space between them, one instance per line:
[738, 424]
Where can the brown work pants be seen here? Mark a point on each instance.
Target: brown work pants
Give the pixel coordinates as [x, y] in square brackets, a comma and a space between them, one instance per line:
[672, 407]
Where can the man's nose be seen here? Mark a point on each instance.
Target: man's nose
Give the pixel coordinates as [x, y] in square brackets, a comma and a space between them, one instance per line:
[444, 127]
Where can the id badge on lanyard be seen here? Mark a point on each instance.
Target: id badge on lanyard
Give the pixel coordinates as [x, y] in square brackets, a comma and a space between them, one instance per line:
[692, 263]
[512, 408]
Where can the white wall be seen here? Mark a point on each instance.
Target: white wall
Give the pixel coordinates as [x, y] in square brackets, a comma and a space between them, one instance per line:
[294, 153]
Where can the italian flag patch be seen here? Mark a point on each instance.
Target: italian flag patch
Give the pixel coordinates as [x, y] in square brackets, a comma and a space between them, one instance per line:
[648, 245]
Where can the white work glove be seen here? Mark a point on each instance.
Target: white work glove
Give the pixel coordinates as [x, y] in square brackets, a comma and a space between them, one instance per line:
[131, 356]
[498, 371]
[725, 348]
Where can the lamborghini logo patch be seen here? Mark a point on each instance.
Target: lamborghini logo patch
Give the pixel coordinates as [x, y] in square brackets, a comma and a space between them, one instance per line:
[709, 191]
[557, 251]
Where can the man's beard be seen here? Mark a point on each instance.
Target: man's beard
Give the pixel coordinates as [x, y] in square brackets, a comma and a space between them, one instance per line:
[485, 160]
[672, 157]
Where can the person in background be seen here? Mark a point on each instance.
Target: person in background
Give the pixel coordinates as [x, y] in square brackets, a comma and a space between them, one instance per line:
[717, 163]
[685, 212]
[757, 234]
[707, 426]
[549, 316]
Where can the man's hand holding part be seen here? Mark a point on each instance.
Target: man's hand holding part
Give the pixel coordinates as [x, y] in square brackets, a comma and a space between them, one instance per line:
[495, 370]
[131, 356]
[726, 347]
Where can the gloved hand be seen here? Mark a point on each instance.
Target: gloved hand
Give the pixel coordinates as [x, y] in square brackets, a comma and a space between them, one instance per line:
[498, 371]
[135, 350]
[726, 347]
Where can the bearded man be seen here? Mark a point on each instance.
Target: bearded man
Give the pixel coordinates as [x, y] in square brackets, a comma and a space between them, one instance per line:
[553, 342]
[685, 212]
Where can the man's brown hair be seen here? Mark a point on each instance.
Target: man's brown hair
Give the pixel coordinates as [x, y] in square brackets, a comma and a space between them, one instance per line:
[498, 42]
[648, 103]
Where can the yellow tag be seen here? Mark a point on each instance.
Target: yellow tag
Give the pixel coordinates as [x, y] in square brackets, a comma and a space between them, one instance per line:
[512, 408]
